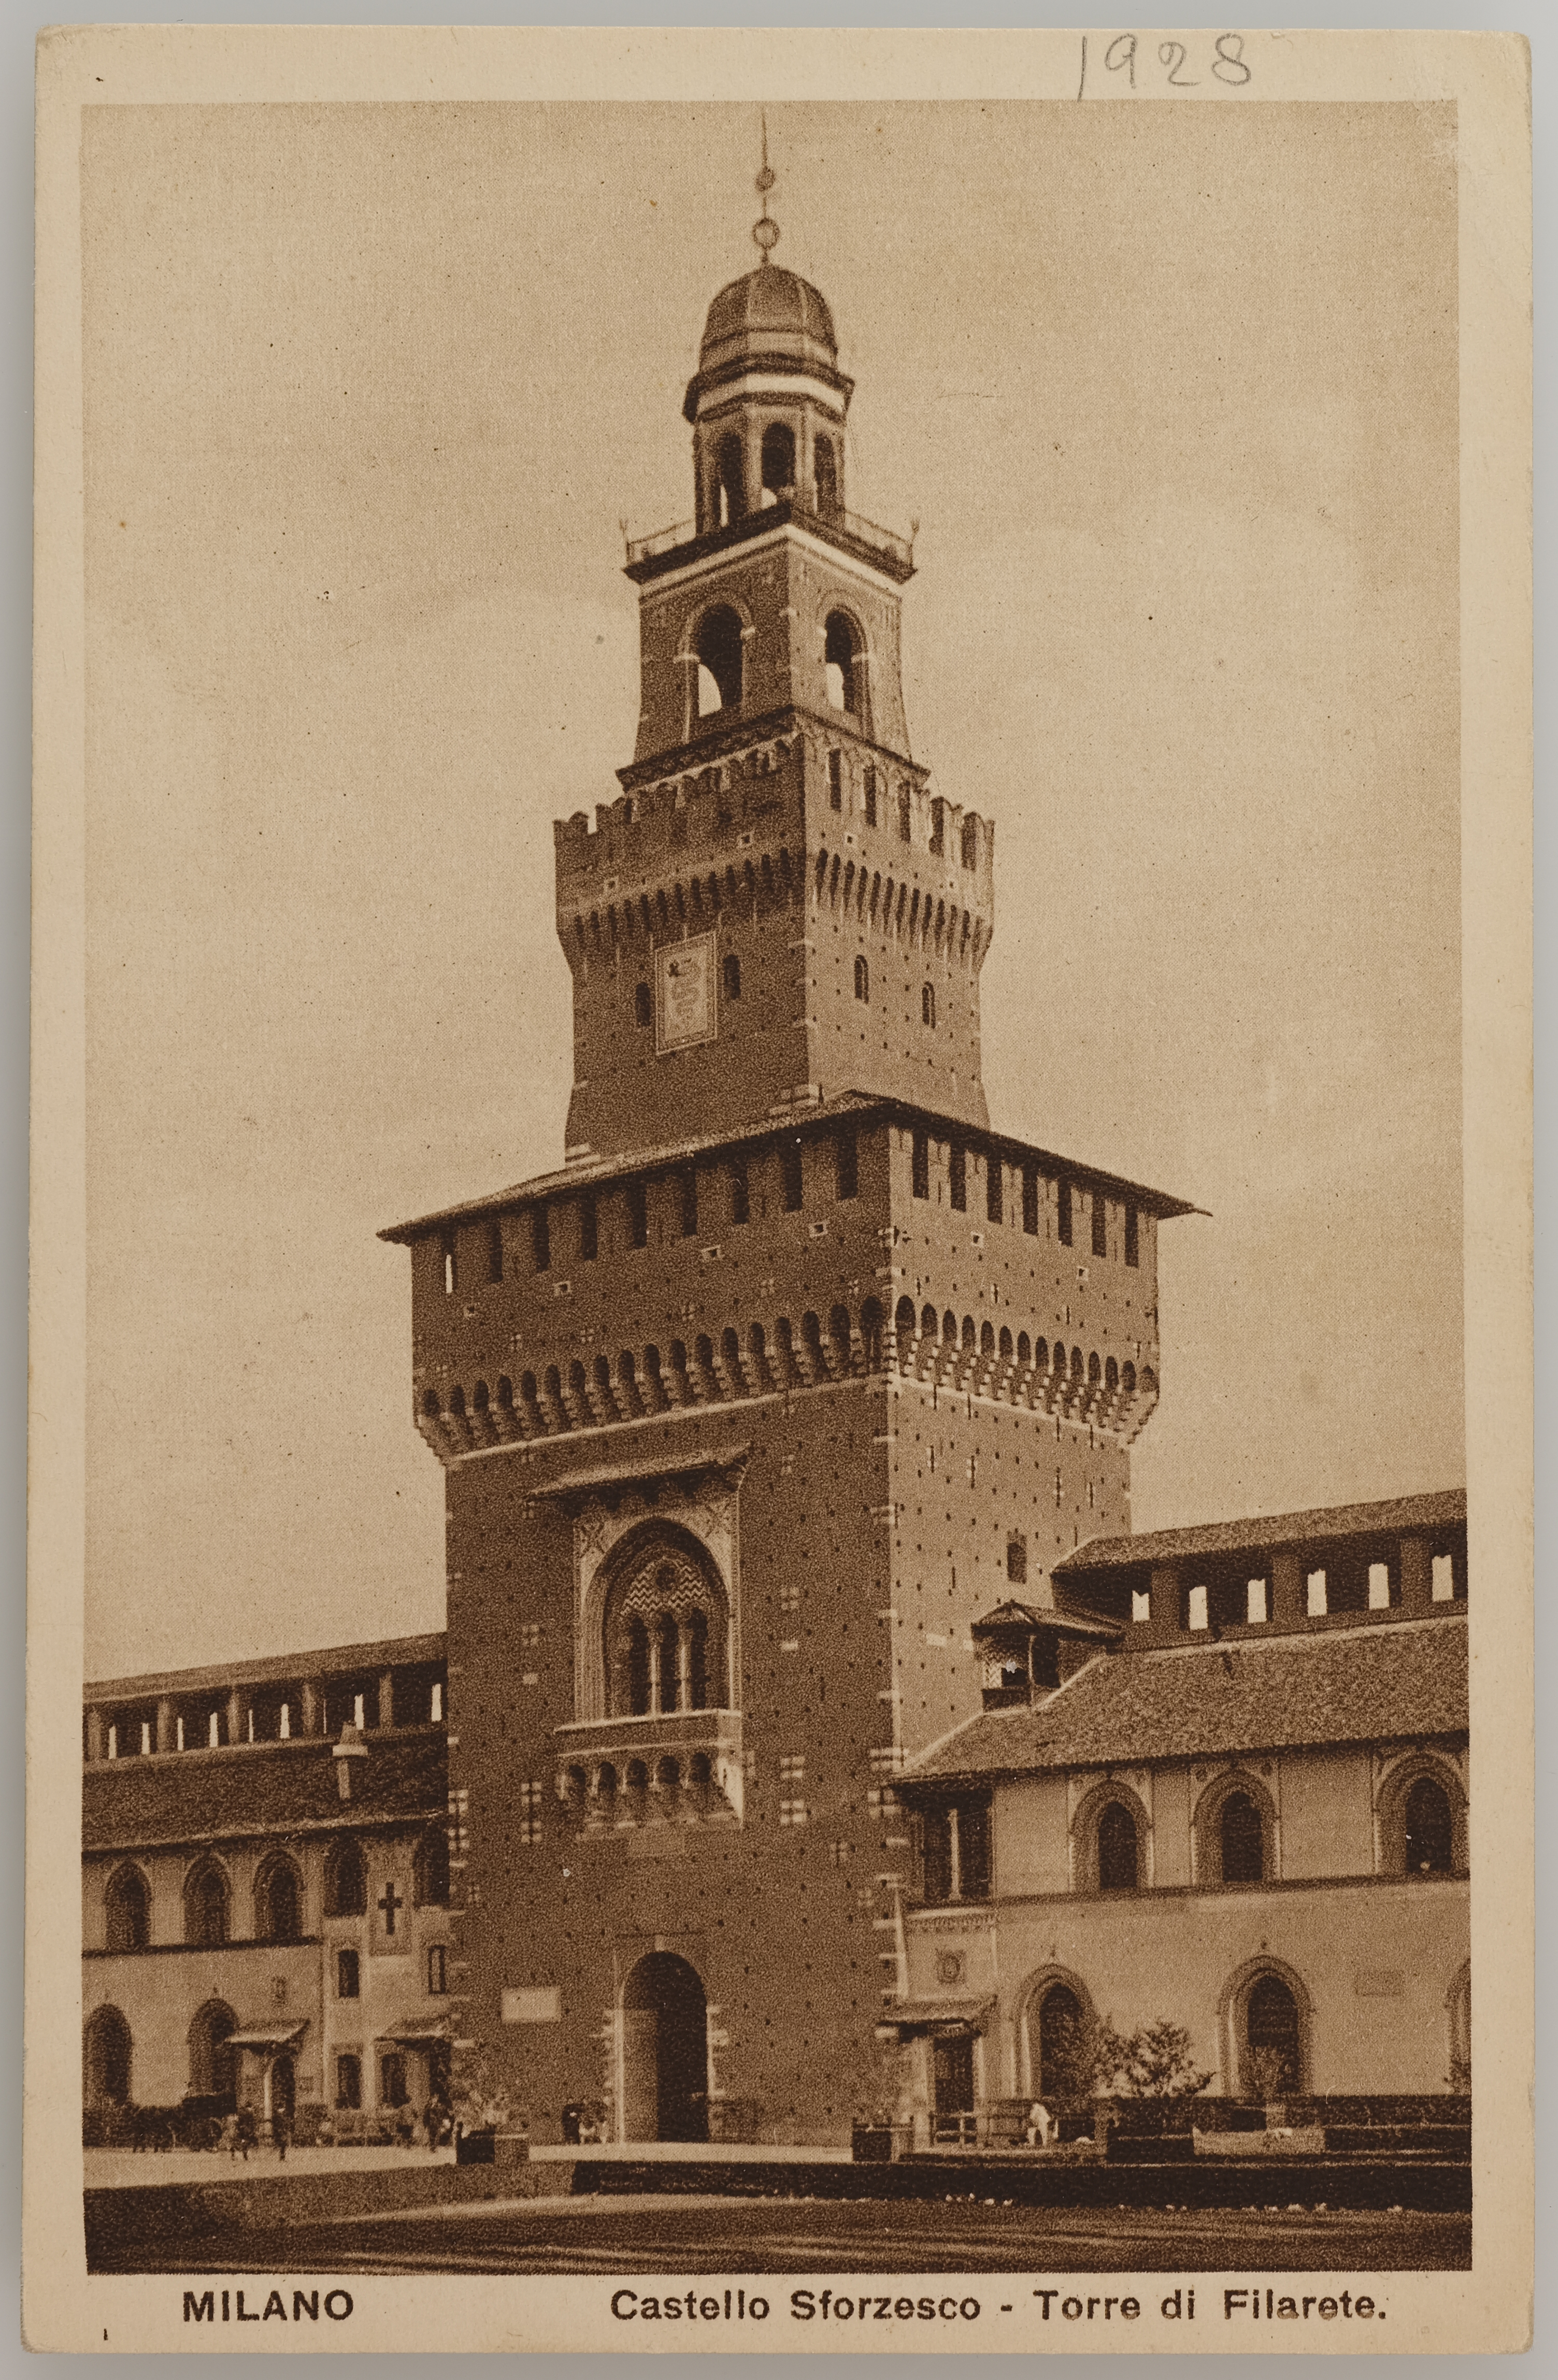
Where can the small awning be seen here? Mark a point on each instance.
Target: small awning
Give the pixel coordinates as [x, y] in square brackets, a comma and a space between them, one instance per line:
[939, 2020]
[267, 2037]
[414, 2031]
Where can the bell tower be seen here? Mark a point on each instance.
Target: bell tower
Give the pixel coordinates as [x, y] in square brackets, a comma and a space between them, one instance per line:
[777, 908]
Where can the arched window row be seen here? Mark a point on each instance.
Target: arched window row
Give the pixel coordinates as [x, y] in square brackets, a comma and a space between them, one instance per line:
[900, 912]
[783, 1355]
[1236, 1833]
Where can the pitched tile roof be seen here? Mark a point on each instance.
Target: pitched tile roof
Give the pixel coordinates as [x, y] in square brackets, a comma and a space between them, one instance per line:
[592, 1171]
[1330, 1521]
[1340, 1686]
[273, 1668]
[257, 1791]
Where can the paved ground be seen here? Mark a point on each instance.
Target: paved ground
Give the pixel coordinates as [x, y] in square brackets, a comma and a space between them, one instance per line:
[653, 2234]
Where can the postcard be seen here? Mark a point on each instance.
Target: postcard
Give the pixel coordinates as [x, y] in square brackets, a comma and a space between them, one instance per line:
[781, 1430]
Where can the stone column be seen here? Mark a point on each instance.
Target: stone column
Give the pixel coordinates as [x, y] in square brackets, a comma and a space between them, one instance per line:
[1163, 1599]
[386, 1698]
[311, 1707]
[1417, 1574]
[238, 1716]
[1289, 1591]
[167, 1725]
[97, 1736]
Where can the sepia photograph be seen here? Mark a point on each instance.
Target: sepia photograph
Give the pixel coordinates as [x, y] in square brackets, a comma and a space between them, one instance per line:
[775, 1562]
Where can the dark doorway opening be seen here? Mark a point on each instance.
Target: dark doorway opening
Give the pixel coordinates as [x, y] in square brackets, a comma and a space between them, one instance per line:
[1059, 2027]
[954, 2078]
[283, 2092]
[1271, 2031]
[665, 2051]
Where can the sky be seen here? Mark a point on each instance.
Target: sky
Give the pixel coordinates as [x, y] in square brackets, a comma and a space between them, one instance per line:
[1171, 396]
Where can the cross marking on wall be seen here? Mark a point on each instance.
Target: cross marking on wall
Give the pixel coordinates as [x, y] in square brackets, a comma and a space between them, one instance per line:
[389, 1901]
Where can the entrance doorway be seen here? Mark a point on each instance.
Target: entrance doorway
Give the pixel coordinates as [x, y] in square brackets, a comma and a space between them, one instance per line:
[665, 2051]
[954, 2067]
[281, 2092]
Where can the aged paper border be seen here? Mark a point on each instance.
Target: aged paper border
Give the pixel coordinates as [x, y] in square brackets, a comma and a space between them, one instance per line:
[1486, 76]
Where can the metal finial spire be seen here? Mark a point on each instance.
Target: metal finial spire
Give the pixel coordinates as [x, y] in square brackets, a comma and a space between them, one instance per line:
[765, 231]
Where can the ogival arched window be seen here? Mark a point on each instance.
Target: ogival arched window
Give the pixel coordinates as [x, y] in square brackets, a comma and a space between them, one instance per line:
[664, 1628]
[778, 461]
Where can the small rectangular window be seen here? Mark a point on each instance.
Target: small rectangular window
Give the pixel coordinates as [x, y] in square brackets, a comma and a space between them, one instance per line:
[1444, 1578]
[790, 1168]
[1194, 1612]
[540, 1240]
[638, 1215]
[1142, 1605]
[435, 1712]
[1029, 1201]
[494, 1247]
[792, 1769]
[957, 1177]
[792, 1812]
[1064, 1224]
[451, 1264]
[588, 1229]
[921, 1163]
[686, 1193]
[1255, 1602]
[348, 1978]
[1315, 1603]
[906, 814]
[847, 1159]
[437, 1968]
[1100, 1224]
[348, 2081]
[871, 797]
[740, 1193]
[994, 1188]
[1133, 1236]
[835, 781]
[529, 1813]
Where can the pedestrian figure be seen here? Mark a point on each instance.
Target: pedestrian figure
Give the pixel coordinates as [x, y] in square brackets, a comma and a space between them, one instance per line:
[1039, 2127]
[281, 2128]
[248, 2131]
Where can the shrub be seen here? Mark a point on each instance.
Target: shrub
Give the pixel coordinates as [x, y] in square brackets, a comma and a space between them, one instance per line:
[1156, 2063]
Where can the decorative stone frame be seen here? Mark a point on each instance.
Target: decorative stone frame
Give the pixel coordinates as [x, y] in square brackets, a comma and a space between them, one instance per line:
[1206, 1828]
[1392, 1788]
[1085, 1821]
[1026, 2042]
[1231, 2024]
[702, 1507]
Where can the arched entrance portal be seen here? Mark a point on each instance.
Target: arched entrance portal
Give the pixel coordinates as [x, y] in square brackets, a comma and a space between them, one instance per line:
[665, 2051]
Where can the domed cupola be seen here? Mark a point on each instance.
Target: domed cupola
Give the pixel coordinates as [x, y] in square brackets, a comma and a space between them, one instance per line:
[768, 401]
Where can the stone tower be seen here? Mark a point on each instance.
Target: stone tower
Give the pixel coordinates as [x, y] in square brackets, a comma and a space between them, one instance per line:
[792, 1373]
[771, 780]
